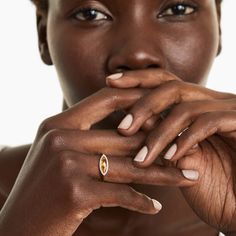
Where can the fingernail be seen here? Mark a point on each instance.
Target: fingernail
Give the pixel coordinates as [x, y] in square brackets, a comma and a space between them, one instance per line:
[140, 157]
[195, 146]
[126, 122]
[115, 76]
[171, 152]
[191, 174]
[157, 204]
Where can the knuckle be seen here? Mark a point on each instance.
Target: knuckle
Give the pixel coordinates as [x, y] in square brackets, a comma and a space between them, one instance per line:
[46, 126]
[84, 125]
[111, 96]
[106, 91]
[114, 100]
[64, 164]
[72, 189]
[143, 109]
[127, 192]
[183, 110]
[140, 200]
[54, 140]
[209, 121]
[154, 137]
[70, 194]
[207, 118]
[174, 84]
[129, 169]
[174, 88]
[134, 174]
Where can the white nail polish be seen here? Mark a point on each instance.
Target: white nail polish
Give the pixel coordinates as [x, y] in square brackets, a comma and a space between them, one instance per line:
[115, 76]
[171, 152]
[195, 146]
[126, 122]
[157, 204]
[191, 174]
[140, 157]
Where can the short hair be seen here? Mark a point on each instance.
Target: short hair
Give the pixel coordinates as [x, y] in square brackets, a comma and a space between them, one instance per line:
[41, 5]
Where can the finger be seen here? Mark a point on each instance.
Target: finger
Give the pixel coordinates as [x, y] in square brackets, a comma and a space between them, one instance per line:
[205, 126]
[94, 142]
[151, 123]
[93, 109]
[122, 170]
[162, 98]
[155, 120]
[150, 78]
[178, 120]
[118, 195]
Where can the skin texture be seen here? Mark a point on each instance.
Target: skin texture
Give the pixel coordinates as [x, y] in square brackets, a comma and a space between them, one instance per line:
[162, 58]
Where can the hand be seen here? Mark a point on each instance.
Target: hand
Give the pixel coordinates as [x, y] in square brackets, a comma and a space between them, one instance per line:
[200, 132]
[59, 182]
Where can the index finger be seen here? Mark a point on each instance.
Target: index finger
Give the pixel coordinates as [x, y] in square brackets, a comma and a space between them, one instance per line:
[150, 78]
[93, 109]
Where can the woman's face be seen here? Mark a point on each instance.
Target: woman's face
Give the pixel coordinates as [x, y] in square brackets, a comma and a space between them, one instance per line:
[90, 39]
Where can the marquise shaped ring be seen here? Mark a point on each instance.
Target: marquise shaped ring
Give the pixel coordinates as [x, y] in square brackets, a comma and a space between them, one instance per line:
[103, 165]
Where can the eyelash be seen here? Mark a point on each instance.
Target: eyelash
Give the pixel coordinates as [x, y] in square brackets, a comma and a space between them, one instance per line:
[90, 10]
[170, 10]
[167, 12]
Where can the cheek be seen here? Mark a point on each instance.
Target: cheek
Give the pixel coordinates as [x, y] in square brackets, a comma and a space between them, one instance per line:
[191, 55]
[79, 60]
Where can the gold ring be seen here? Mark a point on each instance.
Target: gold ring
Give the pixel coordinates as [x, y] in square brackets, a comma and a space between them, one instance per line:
[103, 164]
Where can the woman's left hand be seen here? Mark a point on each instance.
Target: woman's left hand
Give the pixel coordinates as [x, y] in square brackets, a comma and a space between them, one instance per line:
[199, 134]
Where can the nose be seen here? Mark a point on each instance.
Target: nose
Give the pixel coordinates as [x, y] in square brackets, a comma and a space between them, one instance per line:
[135, 52]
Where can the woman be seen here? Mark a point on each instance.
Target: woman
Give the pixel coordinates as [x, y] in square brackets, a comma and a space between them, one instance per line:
[137, 125]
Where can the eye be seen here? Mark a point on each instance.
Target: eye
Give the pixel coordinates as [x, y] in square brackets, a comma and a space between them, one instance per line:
[178, 10]
[90, 14]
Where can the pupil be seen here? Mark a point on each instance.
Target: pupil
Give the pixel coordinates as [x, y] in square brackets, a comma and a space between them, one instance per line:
[90, 14]
[179, 9]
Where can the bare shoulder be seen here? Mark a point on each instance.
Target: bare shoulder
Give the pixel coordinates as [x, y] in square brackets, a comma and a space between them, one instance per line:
[13, 154]
[11, 160]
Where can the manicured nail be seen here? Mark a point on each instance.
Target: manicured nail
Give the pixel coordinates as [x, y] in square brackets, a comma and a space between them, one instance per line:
[191, 174]
[115, 76]
[126, 122]
[157, 204]
[171, 152]
[140, 157]
[195, 146]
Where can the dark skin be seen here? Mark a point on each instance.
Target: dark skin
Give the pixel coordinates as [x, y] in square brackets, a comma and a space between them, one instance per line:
[59, 181]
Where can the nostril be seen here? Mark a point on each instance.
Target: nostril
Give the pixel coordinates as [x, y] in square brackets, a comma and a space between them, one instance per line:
[152, 66]
[122, 69]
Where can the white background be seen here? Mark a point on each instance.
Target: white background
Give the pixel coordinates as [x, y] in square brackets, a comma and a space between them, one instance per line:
[29, 91]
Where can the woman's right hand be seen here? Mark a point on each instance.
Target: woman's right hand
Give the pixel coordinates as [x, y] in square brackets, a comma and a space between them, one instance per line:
[60, 184]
